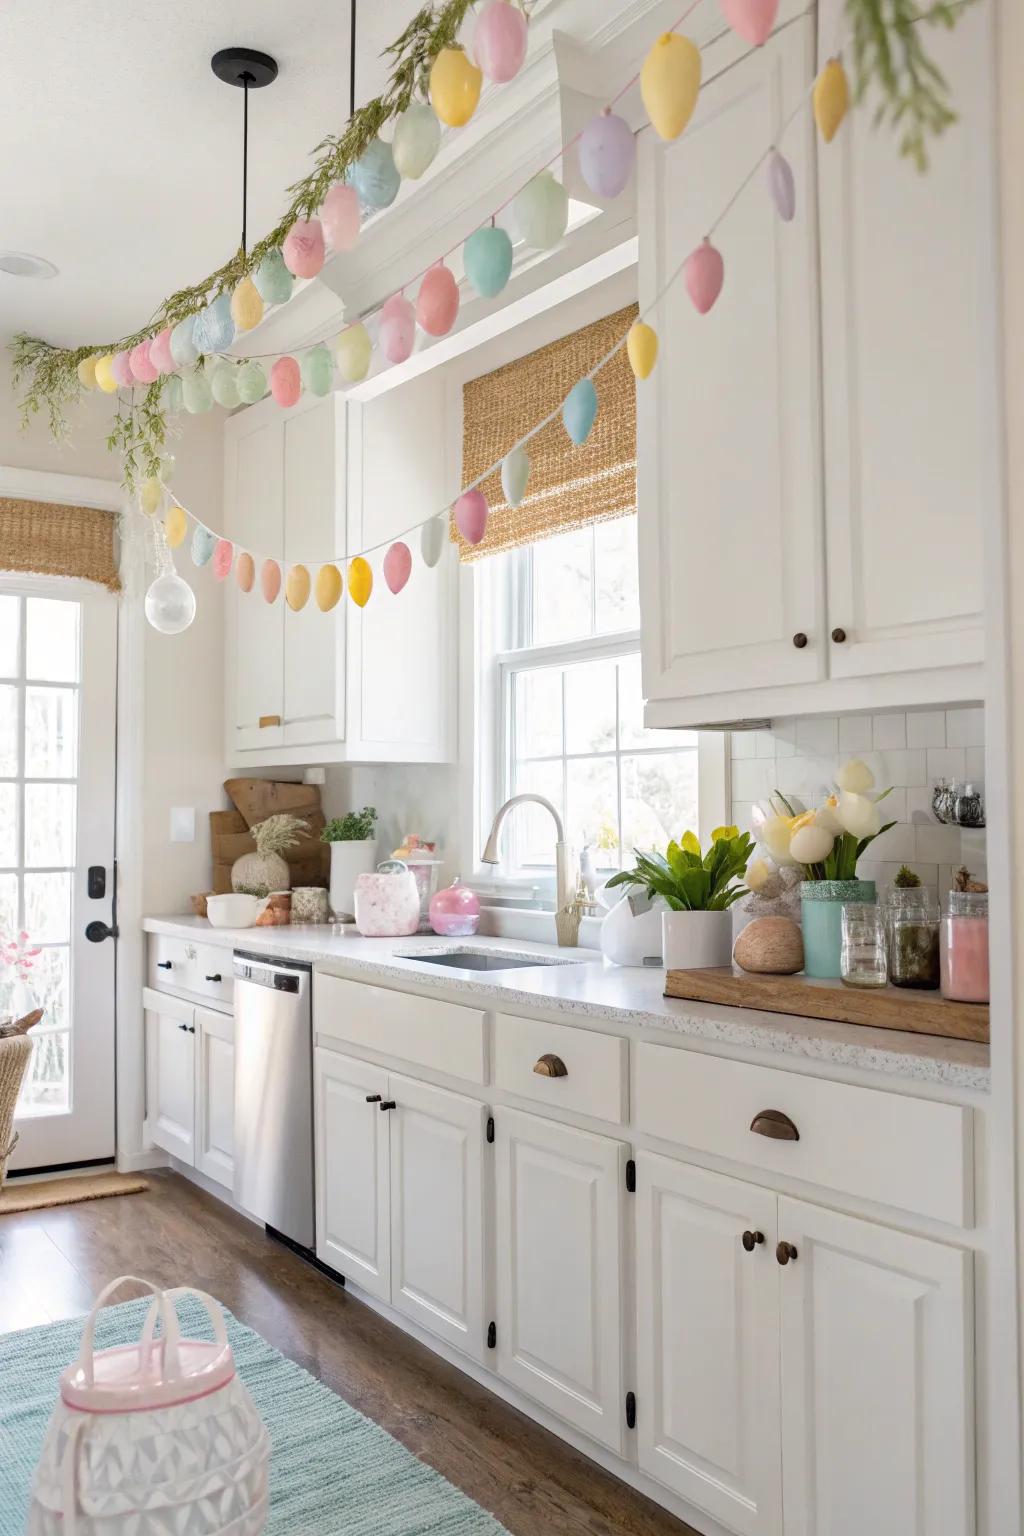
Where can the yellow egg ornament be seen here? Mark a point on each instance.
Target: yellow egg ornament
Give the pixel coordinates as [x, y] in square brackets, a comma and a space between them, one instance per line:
[360, 581]
[328, 588]
[831, 99]
[296, 588]
[669, 83]
[175, 525]
[151, 494]
[642, 348]
[246, 305]
[103, 370]
[454, 86]
[87, 373]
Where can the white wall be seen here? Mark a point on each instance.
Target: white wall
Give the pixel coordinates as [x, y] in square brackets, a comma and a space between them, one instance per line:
[410, 797]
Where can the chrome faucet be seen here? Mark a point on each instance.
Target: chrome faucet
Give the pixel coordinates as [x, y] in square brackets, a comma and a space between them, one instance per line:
[568, 908]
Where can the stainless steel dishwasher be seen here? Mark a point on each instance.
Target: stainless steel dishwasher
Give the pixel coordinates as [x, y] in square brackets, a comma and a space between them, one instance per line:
[274, 1094]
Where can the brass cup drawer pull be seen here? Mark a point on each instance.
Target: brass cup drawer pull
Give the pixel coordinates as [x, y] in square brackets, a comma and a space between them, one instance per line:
[775, 1125]
[750, 1240]
[550, 1065]
[784, 1252]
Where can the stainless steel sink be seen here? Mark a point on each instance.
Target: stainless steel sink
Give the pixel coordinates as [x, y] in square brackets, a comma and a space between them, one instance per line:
[480, 960]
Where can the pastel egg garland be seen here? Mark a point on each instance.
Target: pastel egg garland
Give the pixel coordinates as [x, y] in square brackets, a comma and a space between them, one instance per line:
[487, 258]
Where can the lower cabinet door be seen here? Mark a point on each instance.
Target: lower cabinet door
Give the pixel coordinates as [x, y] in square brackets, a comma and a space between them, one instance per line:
[877, 1418]
[558, 1219]
[215, 1094]
[351, 1170]
[708, 1341]
[437, 1211]
[170, 1074]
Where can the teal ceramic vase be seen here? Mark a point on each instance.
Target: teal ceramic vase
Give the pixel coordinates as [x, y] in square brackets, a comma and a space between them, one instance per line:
[821, 903]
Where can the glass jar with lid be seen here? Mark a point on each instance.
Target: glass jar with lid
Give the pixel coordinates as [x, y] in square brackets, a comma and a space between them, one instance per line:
[913, 938]
[862, 957]
[964, 947]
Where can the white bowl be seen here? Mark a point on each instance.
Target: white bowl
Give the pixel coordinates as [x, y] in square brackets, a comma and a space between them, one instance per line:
[235, 909]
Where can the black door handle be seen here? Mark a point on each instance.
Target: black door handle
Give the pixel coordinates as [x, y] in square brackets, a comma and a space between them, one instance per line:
[97, 931]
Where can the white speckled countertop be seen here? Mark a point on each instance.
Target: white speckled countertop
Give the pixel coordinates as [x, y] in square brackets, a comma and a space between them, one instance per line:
[590, 988]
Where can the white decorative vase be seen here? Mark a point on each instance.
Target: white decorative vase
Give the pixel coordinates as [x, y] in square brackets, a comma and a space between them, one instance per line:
[349, 860]
[630, 940]
[694, 941]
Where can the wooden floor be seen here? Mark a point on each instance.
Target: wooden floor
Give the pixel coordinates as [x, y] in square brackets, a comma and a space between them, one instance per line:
[52, 1263]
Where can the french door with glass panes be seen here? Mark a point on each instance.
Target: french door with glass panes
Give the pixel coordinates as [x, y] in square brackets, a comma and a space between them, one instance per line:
[58, 672]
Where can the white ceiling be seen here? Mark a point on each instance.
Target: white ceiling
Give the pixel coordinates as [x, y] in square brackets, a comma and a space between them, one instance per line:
[122, 160]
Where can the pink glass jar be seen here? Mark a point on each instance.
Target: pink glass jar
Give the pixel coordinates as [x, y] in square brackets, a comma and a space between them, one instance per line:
[455, 911]
[963, 955]
[387, 902]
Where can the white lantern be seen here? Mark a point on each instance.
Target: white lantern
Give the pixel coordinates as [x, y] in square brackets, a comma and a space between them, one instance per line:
[170, 604]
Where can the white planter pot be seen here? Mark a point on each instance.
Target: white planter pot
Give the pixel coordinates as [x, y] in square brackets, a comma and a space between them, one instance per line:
[349, 860]
[629, 940]
[693, 941]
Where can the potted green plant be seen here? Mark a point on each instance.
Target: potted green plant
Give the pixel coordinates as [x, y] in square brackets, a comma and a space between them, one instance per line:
[827, 843]
[353, 853]
[698, 890]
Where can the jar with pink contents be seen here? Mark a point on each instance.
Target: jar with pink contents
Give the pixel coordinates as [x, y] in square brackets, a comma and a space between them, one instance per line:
[963, 955]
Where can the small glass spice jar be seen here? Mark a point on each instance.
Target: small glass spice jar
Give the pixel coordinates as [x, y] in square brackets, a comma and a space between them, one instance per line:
[913, 939]
[862, 957]
[963, 953]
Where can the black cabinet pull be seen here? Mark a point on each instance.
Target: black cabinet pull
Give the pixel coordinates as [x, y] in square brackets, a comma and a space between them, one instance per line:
[799, 639]
[191, 1029]
[751, 1240]
[784, 1252]
[839, 635]
[163, 965]
[183, 1027]
[389, 1104]
[217, 977]
[373, 1098]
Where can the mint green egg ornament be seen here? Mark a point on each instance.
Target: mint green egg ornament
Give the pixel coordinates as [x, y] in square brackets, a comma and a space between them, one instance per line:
[317, 371]
[375, 176]
[203, 545]
[214, 329]
[274, 283]
[183, 345]
[487, 256]
[171, 397]
[579, 410]
[196, 394]
[416, 140]
[252, 382]
[224, 385]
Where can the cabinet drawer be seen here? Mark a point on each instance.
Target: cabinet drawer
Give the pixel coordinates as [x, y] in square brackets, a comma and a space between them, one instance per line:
[443, 1036]
[595, 1066]
[910, 1153]
[181, 965]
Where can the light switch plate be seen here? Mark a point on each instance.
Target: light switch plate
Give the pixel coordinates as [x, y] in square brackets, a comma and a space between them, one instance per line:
[183, 824]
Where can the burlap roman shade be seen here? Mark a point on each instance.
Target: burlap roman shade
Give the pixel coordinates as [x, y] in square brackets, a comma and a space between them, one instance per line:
[48, 539]
[569, 486]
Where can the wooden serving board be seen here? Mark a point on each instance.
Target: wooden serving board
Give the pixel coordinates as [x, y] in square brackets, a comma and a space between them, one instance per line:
[923, 1013]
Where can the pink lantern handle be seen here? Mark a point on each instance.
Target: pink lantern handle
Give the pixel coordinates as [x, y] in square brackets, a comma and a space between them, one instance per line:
[159, 1308]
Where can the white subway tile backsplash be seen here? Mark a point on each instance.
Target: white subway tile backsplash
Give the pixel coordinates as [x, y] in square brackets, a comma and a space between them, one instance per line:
[975, 769]
[898, 844]
[784, 736]
[926, 728]
[888, 731]
[907, 768]
[894, 806]
[817, 735]
[938, 844]
[946, 763]
[742, 744]
[965, 727]
[855, 733]
[753, 778]
[919, 807]
[764, 744]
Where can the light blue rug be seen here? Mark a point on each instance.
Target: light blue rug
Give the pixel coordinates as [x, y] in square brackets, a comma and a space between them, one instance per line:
[332, 1471]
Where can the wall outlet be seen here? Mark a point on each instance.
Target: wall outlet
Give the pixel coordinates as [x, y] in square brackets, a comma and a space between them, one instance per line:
[183, 824]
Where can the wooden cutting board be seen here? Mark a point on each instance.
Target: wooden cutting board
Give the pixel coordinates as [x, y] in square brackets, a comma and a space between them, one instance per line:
[259, 798]
[923, 1013]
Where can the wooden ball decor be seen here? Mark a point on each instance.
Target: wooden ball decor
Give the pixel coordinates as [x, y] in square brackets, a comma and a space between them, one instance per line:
[770, 946]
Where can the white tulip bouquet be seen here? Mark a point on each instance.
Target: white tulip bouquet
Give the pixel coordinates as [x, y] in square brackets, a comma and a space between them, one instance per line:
[827, 842]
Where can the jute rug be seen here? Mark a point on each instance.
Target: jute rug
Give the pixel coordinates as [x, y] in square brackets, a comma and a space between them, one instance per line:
[38, 1196]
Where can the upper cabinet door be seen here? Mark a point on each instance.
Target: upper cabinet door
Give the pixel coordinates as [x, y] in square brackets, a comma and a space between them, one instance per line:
[314, 530]
[254, 505]
[708, 1343]
[910, 372]
[437, 1211]
[728, 423]
[558, 1225]
[877, 1424]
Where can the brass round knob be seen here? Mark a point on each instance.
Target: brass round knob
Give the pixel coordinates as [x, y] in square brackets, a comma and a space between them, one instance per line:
[839, 635]
[750, 1240]
[784, 1252]
[799, 639]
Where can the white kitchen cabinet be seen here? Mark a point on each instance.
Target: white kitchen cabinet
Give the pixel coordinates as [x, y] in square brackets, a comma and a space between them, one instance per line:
[877, 1406]
[558, 1244]
[375, 684]
[352, 1170]
[790, 456]
[437, 1210]
[170, 1074]
[708, 1347]
[214, 1044]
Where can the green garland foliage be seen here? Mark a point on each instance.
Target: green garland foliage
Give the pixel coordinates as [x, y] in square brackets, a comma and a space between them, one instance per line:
[888, 55]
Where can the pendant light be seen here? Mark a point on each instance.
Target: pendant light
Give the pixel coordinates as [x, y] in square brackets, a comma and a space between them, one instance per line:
[248, 70]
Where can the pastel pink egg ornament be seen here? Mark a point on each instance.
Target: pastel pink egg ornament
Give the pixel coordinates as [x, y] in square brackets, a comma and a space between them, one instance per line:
[303, 248]
[160, 354]
[499, 42]
[141, 363]
[121, 368]
[703, 274]
[607, 152]
[397, 566]
[437, 302]
[471, 516]
[340, 217]
[397, 329]
[270, 580]
[223, 555]
[751, 19]
[286, 381]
